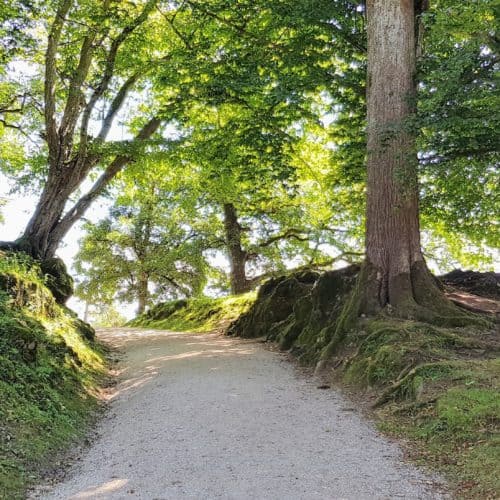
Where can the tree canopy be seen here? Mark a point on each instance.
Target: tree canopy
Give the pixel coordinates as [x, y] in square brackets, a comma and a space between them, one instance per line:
[233, 135]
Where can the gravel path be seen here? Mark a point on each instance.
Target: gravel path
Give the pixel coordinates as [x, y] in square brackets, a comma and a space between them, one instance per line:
[208, 417]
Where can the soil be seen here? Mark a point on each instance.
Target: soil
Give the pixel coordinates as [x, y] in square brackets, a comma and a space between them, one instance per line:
[212, 417]
[474, 302]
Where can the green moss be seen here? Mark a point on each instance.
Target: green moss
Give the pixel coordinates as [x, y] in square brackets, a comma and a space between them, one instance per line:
[195, 315]
[48, 375]
[456, 426]
[58, 280]
[462, 411]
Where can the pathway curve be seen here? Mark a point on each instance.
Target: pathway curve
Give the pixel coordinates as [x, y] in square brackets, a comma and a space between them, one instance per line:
[210, 417]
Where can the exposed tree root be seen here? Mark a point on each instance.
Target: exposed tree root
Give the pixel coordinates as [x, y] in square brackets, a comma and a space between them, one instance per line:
[388, 393]
[409, 356]
[316, 316]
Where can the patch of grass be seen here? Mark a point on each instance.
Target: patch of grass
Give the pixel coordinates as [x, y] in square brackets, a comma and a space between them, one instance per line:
[437, 387]
[195, 315]
[457, 428]
[48, 375]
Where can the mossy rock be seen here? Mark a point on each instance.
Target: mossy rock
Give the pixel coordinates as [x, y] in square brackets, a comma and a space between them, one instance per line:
[331, 289]
[274, 304]
[84, 329]
[295, 309]
[164, 310]
[58, 280]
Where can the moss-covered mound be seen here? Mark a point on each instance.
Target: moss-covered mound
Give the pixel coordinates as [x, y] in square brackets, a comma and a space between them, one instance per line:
[48, 373]
[438, 386]
[484, 284]
[299, 311]
[195, 315]
[57, 279]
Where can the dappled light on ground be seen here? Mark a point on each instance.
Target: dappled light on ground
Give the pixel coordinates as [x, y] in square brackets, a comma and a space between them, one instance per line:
[101, 491]
[206, 416]
[204, 346]
[475, 303]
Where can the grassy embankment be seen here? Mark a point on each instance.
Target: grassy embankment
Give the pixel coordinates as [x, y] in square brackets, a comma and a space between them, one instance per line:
[48, 375]
[439, 388]
[195, 315]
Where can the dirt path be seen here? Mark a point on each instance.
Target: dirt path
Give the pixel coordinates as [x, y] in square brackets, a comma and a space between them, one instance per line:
[207, 417]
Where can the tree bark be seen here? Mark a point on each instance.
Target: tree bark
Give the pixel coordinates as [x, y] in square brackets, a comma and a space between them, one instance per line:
[237, 256]
[142, 293]
[49, 223]
[397, 273]
[36, 236]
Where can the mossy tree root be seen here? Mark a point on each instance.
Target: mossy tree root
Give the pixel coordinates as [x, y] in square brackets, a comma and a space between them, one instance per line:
[424, 302]
[389, 393]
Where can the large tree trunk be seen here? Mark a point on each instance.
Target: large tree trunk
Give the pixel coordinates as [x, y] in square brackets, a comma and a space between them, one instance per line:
[397, 273]
[142, 293]
[50, 223]
[36, 238]
[72, 151]
[237, 256]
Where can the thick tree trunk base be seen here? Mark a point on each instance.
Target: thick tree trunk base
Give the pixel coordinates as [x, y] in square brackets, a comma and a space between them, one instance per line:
[322, 320]
[21, 245]
[242, 287]
[415, 295]
[418, 297]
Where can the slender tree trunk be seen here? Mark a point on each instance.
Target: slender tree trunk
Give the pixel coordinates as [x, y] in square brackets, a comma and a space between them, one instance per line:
[86, 312]
[398, 275]
[237, 256]
[142, 293]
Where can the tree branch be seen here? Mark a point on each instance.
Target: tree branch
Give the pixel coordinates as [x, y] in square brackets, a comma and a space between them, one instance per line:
[170, 280]
[115, 106]
[6, 124]
[241, 29]
[292, 233]
[80, 207]
[75, 95]
[171, 23]
[104, 84]
[50, 78]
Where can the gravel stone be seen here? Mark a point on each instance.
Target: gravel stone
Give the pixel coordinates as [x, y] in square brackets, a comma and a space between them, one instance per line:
[209, 417]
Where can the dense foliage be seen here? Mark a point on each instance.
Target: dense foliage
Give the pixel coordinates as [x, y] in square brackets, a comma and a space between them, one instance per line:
[229, 140]
[148, 248]
[262, 108]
